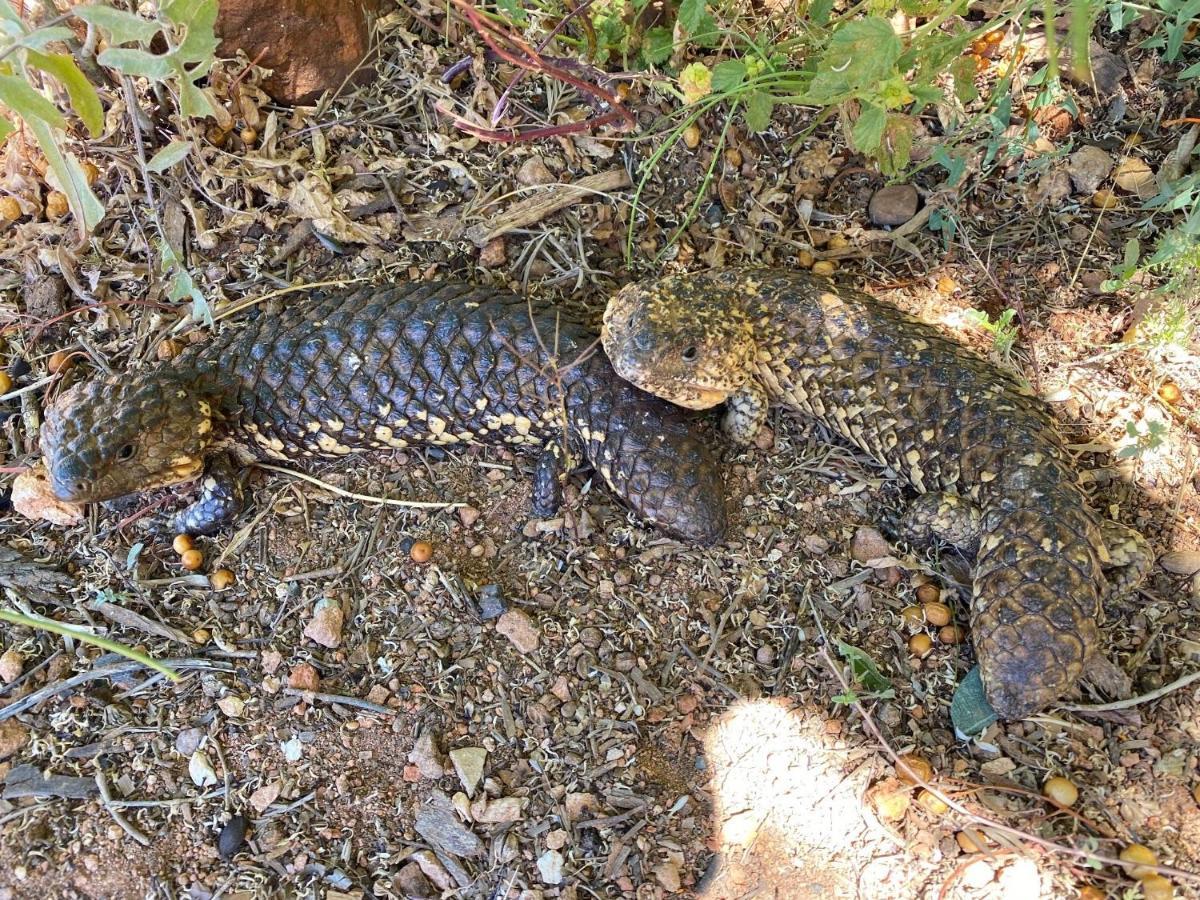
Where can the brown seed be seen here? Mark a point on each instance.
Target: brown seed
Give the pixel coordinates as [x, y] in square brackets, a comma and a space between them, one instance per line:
[932, 803]
[5, 382]
[951, 634]
[920, 645]
[912, 617]
[10, 209]
[938, 614]
[733, 158]
[691, 136]
[1139, 856]
[1155, 887]
[1061, 790]
[192, 559]
[806, 259]
[1105, 199]
[183, 543]
[90, 172]
[946, 285]
[929, 593]
[1170, 392]
[168, 349]
[57, 205]
[825, 267]
[914, 769]
[249, 136]
[221, 579]
[60, 361]
[421, 552]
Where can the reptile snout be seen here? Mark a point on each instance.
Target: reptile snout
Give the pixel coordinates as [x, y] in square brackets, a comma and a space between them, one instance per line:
[68, 480]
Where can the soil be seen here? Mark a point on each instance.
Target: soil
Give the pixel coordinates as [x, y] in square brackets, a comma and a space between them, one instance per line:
[681, 726]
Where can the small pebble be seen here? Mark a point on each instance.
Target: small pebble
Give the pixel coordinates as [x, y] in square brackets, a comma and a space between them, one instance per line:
[428, 756]
[519, 629]
[491, 602]
[868, 544]
[13, 736]
[468, 764]
[534, 172]
[550, 866]
[232, 836]
[1088, 167]
[325, 626]
[12, 664]
[893, 205]
[468, 515]
[304, 677]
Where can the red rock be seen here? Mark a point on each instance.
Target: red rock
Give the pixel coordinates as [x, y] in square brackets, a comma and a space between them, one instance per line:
[311, 45]
[304, 678]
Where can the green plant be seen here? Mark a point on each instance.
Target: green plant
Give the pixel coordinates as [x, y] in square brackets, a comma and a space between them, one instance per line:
[82, 634]
[185, 28]
[866, 674]
[1142, 441]
[1003, 330]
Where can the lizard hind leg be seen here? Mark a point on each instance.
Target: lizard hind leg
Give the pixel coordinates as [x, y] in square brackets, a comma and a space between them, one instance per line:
[947, 518]
[745, 413]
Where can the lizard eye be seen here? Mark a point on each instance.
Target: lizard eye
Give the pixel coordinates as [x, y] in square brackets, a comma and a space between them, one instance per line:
[690, 354]
[125, 452]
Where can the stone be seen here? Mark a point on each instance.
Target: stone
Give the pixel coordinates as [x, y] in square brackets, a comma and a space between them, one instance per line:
[491, 602]
[188, 741]
[868, 544]
[519, 629]
[468, 515]
[433, 869]
[325, 627]
[311, 46]
[428, 756]
[505, 809]
[438, 823]
[304, 677]
[1088, 167]
[264, 796]
[581, 807]
[412, 882]
[12, 664]
[468, 765]
[1052, 188]
[13, 736]
[550, 865]
[893, 205]
[667, 874]
[534, 172]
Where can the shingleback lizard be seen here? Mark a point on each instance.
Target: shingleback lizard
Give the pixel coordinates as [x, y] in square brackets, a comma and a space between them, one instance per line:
[427, 363]
[994, 475]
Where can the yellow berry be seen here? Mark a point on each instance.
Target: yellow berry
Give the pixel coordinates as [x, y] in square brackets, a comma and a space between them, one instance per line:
[60, 361]
[90, 172]
[967, 843]
[10, 209]
[421, 552]
[57, 205]
[691, 137]
[1155, 887]
[5, 382]
[932, 803]
[249, 135]
[806, 259]
[1139, 856]
[951, 634]
[221, 579]
[914, 769]
[1104, 199]
[183, 543]
[912, 617]
[929, 593]
[192, 559]
[1088, 892]
[168, 349]
[1061, 790]
[920, 645]
[824, 267]
[938, 614]
[733, 158]
[1170, 392]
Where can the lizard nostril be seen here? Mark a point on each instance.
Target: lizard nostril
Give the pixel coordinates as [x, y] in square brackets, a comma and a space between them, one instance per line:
[79, 486]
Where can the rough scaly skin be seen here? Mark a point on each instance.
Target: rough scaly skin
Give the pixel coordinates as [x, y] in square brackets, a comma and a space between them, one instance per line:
[941, 417]
[438, 363]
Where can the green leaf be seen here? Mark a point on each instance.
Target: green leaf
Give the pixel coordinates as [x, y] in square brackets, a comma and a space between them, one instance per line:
[131, 557]
[17, 95]
[9, 14]
[514, 10]
[659, 44]
[896, 148]
[861, 55]
[122, 27]
[692, 14]
[138, 63]
[969, 710]
[758, 111]
[42, 36]
[197, 17]
[863, 668]
[963, 71]
[84, 204]
[868, 130]
[84, 99]
[169, 155]
[819, 11]
[6, 127]
[728, 75]
[193, 102]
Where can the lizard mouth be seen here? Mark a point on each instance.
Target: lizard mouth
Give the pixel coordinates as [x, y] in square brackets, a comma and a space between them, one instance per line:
[182, 468]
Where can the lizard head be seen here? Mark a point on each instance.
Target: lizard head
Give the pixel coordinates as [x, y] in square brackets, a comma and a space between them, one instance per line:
[686, 339]
[115, 436]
